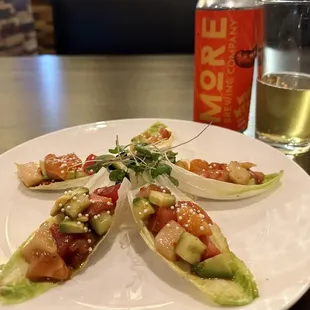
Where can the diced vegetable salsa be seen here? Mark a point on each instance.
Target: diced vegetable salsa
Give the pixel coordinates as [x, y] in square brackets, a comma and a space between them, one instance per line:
[234, 172]
[63, 243]
[181, 229]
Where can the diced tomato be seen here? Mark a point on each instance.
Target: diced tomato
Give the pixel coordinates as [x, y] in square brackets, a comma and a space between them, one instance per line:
[164, 133]
[109, 192]
[211, 249]
[79, 250]
[198, 165]
[73, 248]
[144, 192]
[98, 204]
[89, 162]
[46, 266]
[160, 218]
[63, 241]
[258, 176]
[219, 175]
[57, 167]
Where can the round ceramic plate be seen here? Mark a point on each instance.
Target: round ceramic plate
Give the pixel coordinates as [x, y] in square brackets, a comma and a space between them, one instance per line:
[271, 232]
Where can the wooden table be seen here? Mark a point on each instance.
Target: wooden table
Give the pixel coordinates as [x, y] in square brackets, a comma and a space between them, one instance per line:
[40, 95]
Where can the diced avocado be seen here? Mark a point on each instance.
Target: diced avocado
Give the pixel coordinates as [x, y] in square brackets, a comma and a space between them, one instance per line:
[43, 170]
[71, 175]
[161, 199]
[83, 219]
[76, 206]
[190, 248]
[59, 218]
[220, 266]
[64, 199]
[71, 227]
[101, 223]
[81, 174]
[142, 208]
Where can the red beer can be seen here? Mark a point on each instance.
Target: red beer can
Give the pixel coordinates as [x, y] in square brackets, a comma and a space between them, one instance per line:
[226, 36]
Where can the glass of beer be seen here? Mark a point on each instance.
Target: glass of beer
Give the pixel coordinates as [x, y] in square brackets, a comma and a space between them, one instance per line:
[283, 84]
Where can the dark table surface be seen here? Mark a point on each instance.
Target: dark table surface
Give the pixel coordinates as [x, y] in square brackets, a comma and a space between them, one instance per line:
[44, 94]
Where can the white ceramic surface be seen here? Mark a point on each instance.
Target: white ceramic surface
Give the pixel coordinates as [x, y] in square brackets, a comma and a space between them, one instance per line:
[271, 232]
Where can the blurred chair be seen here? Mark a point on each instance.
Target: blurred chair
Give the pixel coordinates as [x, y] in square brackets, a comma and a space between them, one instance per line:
[44, 25]
[17, 33]
[124, 26]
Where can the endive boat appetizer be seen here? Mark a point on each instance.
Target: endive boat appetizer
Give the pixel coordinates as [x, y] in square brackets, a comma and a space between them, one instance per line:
[67, 171]
[186, 238]
[62, 245]
[157, 134]
[222, 181]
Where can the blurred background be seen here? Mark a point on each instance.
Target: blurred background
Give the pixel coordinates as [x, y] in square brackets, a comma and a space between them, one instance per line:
[29, 27]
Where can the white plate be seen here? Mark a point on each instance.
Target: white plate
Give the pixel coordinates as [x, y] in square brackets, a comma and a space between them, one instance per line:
[271, 233]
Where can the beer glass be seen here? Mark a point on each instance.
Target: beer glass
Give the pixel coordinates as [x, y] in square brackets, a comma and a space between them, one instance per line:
[283, 84]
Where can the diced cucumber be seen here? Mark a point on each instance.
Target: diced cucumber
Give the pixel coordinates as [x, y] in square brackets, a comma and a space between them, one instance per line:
[220, 266]
[83, 219]
[161, 199]
[142, 208]
[76, 206]
[101, 223]
[59, 218]
[43, 170]
[71, 227]
[80, 174]
[64, 199]
[71, 175]
[190, 248]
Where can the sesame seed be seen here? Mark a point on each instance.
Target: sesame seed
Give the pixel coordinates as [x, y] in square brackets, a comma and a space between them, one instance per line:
[85, 229]
[78, 201]
[84, 194]
[186, 225]
[140, 213]
[89, 241]
[93, 157]
[202, 228]
[90, 249]
[201, 215]
[91, 171]
[180, 218]
[164, 191]
[188, 221]
[203, 170]
[168, 225]
[95, 217]
[109, 203]
[191, 211]
[172, 207]
[62, 171]
[145, 210]
[108, 212]
[62, 210]
[66, 217]
[198, 211]
[80, 215]
[87, 214]
[53, 180]
[89, 230]
[177, 227]
[74, 198]
[66, 193]
[68, 207]
[60, 205]
[78, 222]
